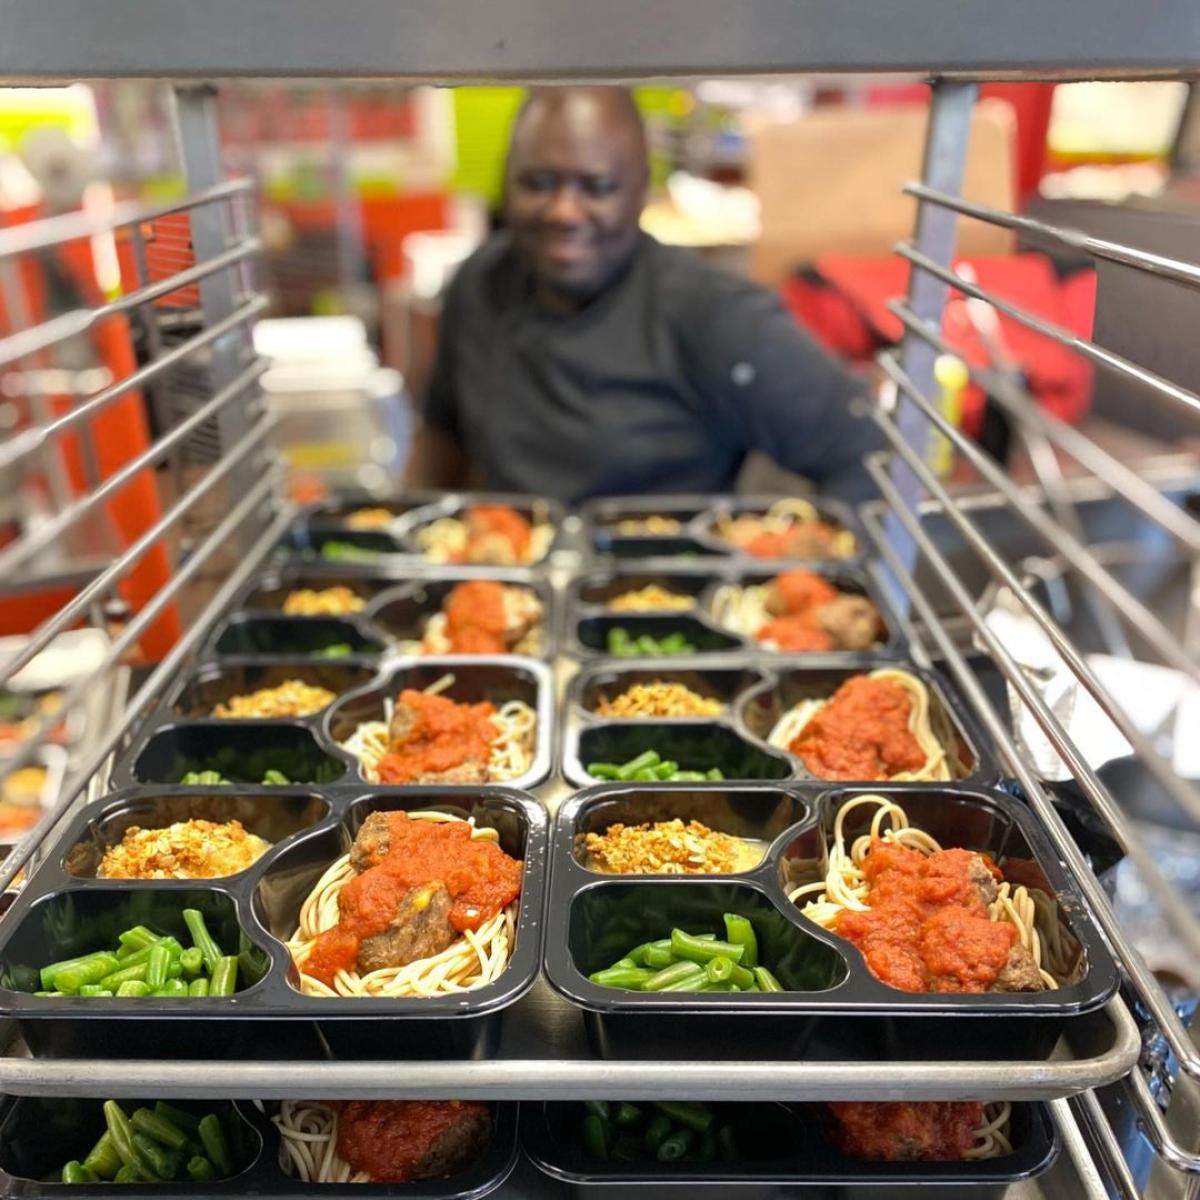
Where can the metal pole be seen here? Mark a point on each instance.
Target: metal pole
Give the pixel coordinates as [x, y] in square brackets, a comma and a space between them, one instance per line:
[936, 233]
[200, 154]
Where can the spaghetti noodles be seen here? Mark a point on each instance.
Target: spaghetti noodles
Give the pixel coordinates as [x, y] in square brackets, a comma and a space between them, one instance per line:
[958, 879]
[475, 958]
[874, 727]
[790, 528]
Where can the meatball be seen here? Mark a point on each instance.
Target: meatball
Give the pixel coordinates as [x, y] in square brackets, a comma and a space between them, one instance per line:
[373, 842]
[420, 929]
[1019, 974]
[852, 622]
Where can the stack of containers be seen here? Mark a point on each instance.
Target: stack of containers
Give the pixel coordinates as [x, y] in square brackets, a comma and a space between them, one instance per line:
[295, 783]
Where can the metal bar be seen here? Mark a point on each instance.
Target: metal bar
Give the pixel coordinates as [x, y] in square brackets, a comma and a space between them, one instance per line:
[1180, 791]
[936, 232]
[80, 320]
[1124, 481]
[77, 606]
[1131, 608]
[1101, 1136]
[1153, 1123]
[163, 673]
[562, 1078]
[1141, 979]
[70, 227]
[1129, 256]
[1096, 354]
[15, 554]
[195, 110]
[31, 440]
[27, 752]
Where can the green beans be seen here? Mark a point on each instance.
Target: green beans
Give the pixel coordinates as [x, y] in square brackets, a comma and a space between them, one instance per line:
[337, 650]
[739, 932]
[621, 644]
[276, 778]
[156, 1145]
[666, 1131]
[212, 1137]
[76, 1172]
[694, 962]
[147, 964]
[651, 767]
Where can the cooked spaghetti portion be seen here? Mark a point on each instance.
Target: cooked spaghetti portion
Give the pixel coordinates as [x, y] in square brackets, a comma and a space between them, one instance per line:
[380, 1141]
[658, 700]
[423, 905]
[653, 525]
[322, 602]
[924, 918]
[922, 1131]
[874, 727]
[488, 534]
[799, 611]
[669, 848]
[482, 616]
[790, 528]
[429, 738]
[651, 598]
[195, 849]
[370, 518]
[292, 698]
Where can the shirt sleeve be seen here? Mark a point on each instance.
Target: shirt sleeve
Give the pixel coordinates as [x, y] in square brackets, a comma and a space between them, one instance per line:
[440, 409]
[781, 393]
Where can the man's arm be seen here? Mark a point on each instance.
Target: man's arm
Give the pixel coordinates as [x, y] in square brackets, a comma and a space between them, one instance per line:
[437, 459]
[781, 393]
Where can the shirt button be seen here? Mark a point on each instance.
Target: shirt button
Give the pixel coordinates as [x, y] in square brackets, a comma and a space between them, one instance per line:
[742, 374]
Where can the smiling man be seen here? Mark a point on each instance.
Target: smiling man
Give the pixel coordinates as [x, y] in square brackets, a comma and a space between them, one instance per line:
[579, 357]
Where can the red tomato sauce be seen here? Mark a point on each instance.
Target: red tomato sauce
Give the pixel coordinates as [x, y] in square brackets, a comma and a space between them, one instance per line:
[862, 733]
[798, 628]
[389, 1139]
[475, 617]
[443, 736]
[486, 521]
[784, 544]
[927, 928]
[907, 1131]
[479, 876]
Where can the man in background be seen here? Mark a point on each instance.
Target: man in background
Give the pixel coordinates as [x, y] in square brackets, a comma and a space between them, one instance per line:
[579, 357]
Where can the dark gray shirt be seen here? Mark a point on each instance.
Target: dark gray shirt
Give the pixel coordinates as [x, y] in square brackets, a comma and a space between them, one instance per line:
[662, 384]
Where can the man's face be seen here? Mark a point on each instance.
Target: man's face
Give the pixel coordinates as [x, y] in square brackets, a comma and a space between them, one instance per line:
[576, 187]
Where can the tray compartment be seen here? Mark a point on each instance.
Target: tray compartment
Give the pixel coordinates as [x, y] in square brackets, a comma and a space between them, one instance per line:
[215, 683]
[291, 637]
[268, 593]
[715, 683]
[455, 505]
[592, 632]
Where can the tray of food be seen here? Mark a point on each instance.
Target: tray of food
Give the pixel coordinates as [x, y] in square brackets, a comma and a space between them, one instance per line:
[425, 720]
[683, 719]
[840, 1151]
[477, 529]
[239, 922]
[727, 609]
[29, 792]
[771, 920]
[423, 1149]
[283, 636]
[793, 529]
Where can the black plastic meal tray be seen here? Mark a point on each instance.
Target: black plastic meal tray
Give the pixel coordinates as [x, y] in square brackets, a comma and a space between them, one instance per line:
[176, 739]
[832, 1001]
[64, 910]
[755, 691]
[784, 1151]
[697, 516]
[589, 619]
[38, 1134]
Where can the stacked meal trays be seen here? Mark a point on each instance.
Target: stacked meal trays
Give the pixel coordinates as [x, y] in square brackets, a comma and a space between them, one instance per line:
[346, 641]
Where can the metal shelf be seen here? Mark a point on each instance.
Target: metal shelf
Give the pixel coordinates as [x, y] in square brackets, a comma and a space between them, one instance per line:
[450, 40]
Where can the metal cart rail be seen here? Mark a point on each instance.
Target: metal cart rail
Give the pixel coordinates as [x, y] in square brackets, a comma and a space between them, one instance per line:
[541, 1056]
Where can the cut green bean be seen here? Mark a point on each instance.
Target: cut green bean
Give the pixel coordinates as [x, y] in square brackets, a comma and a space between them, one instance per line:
[129, 1174]
[193, 918]
[657, 958]
[172, 988]
[595, 1141]
[676, 1146]
[121, 1132]
[633, 978]
[603, 770]
[103, 1159]
[114, 981]
[200, 1169]
[740, 932]
[137, 938]
[700, 950]
[598, 1108]
[177, 1116]
[644, 761]
[627, 1115]
[669, 976]
[88, 970]
[165, 1163]
[719, 969]
[715, 774]
[133, 989]
[688, 777]
[694, 1116]
[156, 967]
[666, 770]
[656, 1131]
[223, 981]
[94, 989]
[215, 1147]
[198, 987]
[766, 981]
[161, 1129]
